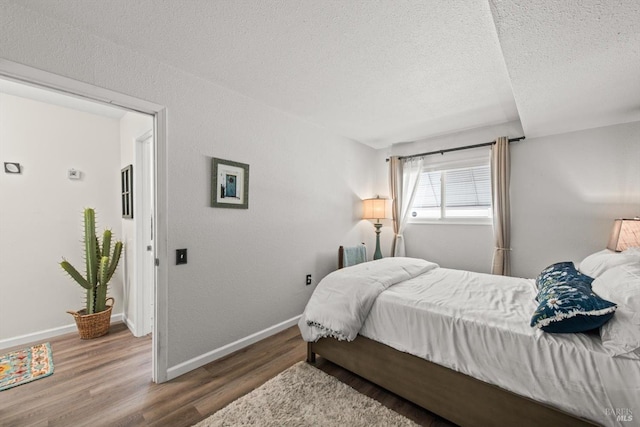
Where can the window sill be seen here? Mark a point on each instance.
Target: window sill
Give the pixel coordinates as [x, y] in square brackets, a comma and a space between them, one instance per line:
[452, 221]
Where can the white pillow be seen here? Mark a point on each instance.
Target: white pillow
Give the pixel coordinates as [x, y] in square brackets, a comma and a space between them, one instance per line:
[596, 264]
[621, 285]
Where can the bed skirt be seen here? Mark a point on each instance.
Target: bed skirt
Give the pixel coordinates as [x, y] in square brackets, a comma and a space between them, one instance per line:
[454, 396]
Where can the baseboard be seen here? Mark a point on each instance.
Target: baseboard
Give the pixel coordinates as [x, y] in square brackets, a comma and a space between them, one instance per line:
[196, 362]
[130, 325]
[47, 334]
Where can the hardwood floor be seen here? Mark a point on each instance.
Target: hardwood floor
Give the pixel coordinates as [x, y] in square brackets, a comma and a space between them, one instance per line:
[107, 382]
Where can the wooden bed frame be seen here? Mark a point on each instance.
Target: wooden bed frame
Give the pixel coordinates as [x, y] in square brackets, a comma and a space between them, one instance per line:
[457, 397]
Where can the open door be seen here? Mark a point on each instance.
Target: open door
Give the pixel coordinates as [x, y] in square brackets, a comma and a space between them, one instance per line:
[145, 235]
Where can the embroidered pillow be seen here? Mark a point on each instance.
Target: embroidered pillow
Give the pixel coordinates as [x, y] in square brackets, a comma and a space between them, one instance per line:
[567, 304]
[559, 274]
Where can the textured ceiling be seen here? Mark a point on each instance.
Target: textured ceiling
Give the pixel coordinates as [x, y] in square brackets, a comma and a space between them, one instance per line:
[388, 71]
[574, 64]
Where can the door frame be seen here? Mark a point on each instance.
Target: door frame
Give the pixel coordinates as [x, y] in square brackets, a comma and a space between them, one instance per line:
[35, 77]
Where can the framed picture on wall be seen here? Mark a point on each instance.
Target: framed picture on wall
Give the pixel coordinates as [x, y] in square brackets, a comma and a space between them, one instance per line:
[126, 183]
[229, 184]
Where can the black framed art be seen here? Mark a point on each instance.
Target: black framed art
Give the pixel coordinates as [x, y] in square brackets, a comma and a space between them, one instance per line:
[126, 183]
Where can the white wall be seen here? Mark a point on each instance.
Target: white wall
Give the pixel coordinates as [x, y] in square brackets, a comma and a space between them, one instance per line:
[41, 209]
[565, 192]
[567, 189]
[246, 268]
[132, 126]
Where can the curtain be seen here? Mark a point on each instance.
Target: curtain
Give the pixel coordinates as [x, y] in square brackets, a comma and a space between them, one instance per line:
[500, 175]
[404, 177]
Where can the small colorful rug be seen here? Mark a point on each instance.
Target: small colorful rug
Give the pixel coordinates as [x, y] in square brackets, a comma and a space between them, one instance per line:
[22, 366]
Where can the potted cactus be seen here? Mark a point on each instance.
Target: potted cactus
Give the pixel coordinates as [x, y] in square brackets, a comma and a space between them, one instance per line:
[101, 261]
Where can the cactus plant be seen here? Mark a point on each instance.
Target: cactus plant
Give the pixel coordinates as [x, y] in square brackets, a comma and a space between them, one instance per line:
[101, 262]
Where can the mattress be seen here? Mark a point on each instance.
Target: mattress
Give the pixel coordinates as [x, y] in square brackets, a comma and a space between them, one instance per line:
[478, 324]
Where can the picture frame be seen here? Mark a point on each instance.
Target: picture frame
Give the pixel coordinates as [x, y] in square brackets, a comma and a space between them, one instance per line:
[126, 184]
[229, 184]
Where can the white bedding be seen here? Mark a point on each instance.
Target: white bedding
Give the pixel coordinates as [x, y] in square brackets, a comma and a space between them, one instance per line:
[478, 324]
[341, 302]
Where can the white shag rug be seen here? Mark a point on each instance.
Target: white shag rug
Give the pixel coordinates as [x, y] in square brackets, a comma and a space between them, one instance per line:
[305, 396]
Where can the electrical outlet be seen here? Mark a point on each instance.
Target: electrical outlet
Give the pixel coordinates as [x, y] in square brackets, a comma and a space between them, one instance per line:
[308, 279]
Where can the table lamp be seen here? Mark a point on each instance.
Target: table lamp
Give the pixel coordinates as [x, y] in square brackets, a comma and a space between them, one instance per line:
[625, 233]
[376, 209]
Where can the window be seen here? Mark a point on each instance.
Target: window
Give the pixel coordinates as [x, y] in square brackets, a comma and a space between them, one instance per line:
[455, 193]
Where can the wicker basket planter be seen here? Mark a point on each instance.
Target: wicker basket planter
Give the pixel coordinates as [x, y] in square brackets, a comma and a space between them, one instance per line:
[93, 325]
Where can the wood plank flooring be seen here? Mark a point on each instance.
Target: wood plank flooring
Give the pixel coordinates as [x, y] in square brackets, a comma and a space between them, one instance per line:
[107, 382]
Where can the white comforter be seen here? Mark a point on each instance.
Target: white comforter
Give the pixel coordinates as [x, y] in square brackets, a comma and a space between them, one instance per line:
[342, 301]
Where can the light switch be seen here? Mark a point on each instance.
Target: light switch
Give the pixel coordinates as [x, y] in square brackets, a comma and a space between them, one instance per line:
[181, 256]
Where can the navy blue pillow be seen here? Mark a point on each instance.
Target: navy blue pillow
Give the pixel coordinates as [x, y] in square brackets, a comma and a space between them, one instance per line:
[558, 274]
[567, 304]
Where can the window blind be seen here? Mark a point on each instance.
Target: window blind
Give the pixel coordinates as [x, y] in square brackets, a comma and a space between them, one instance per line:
[429, 191]
[465, 192]
[468, 187]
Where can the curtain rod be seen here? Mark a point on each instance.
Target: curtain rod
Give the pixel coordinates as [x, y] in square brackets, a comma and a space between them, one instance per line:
[448, 150]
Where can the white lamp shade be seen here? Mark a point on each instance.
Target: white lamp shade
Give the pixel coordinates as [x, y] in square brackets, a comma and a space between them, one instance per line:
[625, 234]
[375, 208]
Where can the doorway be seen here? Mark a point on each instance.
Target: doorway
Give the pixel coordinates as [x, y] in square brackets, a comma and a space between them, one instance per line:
[153, 315]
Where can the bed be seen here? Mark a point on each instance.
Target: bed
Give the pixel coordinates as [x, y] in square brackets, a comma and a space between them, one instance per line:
[460, 344]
